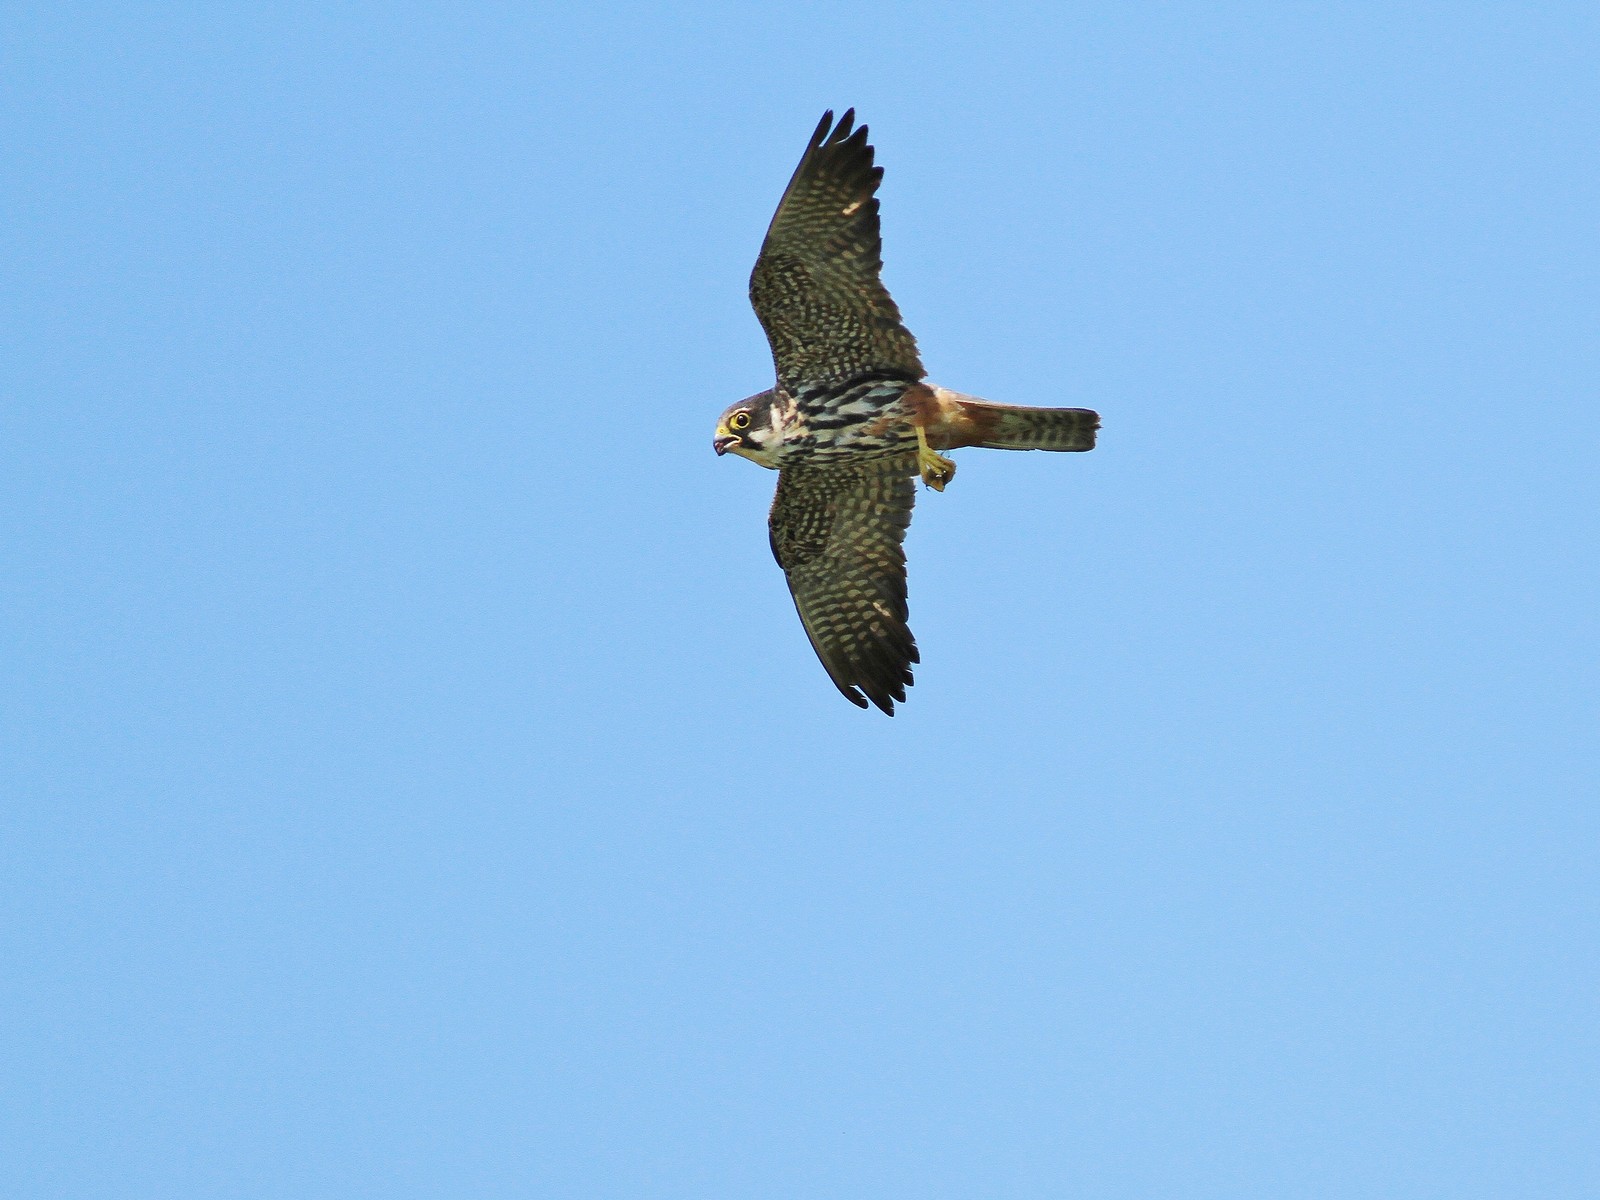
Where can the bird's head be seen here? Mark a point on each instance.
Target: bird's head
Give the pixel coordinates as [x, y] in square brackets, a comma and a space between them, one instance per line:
[746, 429]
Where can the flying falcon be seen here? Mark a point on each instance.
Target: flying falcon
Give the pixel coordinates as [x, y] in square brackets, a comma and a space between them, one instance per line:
[852, 420]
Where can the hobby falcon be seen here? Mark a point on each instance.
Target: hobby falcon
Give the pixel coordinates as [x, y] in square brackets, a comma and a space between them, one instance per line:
[852, 420]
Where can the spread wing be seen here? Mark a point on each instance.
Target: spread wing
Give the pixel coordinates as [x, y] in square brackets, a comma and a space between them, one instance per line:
[837, 534]
[815, 286]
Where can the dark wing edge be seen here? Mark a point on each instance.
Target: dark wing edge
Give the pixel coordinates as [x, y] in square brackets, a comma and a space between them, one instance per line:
[838, 536]
[816, 286]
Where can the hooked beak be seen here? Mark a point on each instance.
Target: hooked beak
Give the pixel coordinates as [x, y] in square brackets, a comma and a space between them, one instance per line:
[722, 443]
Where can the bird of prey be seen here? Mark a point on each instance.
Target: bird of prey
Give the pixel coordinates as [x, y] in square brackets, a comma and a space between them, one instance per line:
[852, 420]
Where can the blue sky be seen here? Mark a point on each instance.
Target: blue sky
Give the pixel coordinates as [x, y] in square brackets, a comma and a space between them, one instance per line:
[417, 782]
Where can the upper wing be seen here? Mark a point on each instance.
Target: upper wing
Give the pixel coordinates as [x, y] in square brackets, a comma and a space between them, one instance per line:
[837, 533]
[815, 286]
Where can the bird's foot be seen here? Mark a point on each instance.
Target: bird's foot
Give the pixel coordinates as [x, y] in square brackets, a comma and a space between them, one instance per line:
[937, 470]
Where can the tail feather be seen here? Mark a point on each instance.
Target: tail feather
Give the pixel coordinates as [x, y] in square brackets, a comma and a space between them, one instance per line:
[953, 420]
[1006, 427]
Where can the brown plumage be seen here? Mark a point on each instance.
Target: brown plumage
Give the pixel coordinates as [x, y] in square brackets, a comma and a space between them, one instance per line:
[851, 420]
[836, 533]
[815, 287]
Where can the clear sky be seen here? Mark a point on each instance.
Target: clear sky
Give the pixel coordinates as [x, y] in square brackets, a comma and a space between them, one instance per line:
[417, 783]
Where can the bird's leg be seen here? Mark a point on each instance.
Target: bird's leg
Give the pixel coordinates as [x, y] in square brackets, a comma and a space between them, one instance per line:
[937, 470]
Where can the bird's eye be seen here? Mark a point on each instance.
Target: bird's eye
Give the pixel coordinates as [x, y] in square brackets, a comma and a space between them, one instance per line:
[739, 421]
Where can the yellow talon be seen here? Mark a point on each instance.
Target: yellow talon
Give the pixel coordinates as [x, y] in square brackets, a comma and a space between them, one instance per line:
[937, 470]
